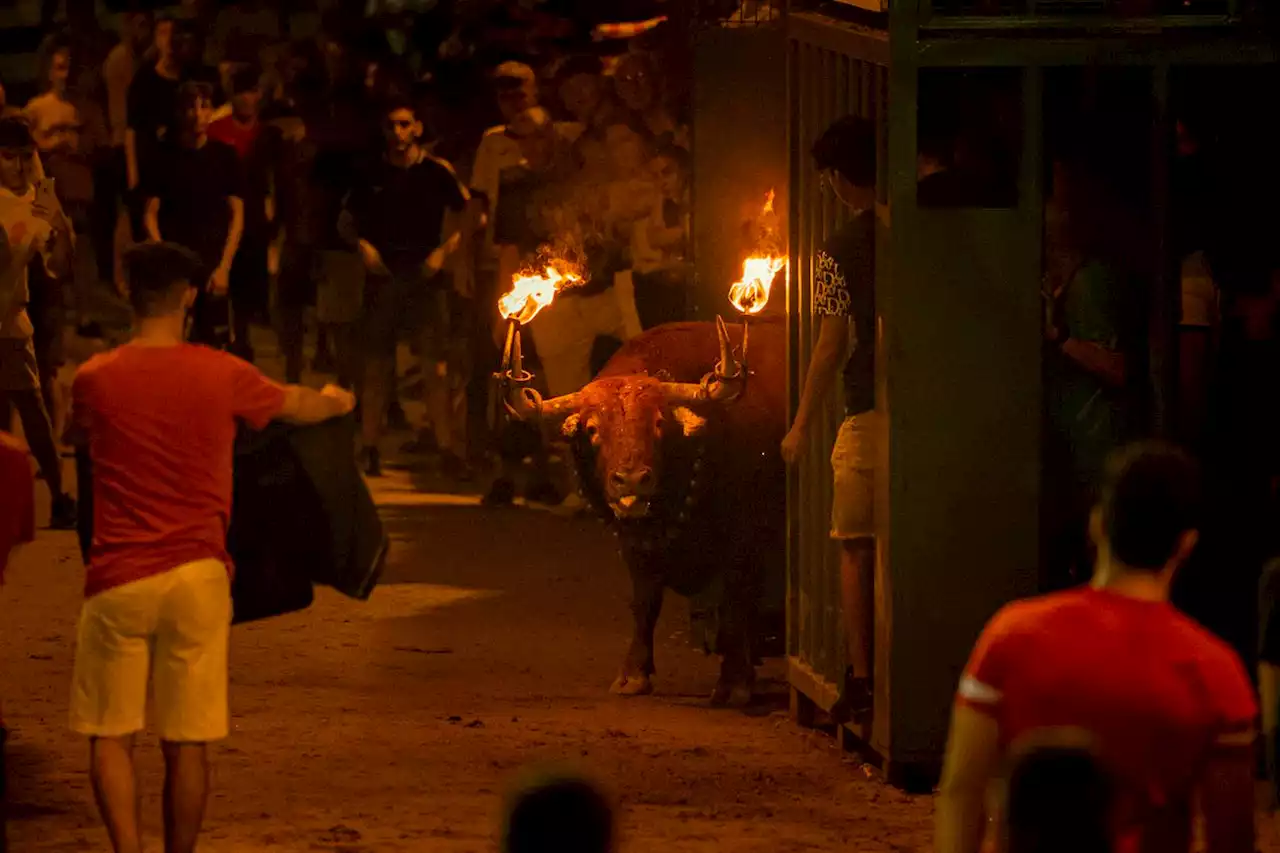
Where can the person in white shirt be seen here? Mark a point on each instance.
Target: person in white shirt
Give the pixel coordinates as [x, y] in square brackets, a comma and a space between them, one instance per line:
[32, 224]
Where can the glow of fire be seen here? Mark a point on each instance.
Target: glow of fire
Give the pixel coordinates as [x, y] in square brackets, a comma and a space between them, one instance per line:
[530, 293]
[750, 294]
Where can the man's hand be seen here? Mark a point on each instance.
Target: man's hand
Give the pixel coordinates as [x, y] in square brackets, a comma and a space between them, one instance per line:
[219, 281]
[372, 259]
[793, 446]
[345, 399]
[434, 263]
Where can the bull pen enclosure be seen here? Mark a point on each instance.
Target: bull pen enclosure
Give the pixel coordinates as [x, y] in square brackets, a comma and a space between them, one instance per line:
[959, 376]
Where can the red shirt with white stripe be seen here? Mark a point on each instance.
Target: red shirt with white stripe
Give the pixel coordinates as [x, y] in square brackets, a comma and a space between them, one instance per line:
[1157, 692]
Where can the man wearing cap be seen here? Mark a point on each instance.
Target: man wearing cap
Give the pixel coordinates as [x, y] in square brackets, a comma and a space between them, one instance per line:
[159, 418]
[33, 225]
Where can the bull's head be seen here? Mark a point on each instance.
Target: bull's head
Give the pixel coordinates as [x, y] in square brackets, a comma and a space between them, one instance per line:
[627, 420]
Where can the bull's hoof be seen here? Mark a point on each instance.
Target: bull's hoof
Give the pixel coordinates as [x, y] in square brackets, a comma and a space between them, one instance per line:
[632, 685]
[727, 695]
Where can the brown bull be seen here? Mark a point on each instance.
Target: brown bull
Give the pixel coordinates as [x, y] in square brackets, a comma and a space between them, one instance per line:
[688, 473]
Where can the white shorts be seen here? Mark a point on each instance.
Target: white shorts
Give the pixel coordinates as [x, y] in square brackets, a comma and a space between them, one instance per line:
[170, 630]
[854, 460]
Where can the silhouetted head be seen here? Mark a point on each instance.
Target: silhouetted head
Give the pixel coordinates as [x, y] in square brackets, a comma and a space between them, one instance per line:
[1058, 800]
[558, 813]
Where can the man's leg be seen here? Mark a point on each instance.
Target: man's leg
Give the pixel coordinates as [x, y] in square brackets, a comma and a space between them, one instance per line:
[190, 686]
[373, 407]
[853, 463]
[115, 787]
[857, 600]
[38, 430]
[186, 791]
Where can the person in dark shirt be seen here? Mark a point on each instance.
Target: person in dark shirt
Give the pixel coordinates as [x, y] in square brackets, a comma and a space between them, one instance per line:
[396, 215]
[254, 144]
[194, 198]
[844, 299]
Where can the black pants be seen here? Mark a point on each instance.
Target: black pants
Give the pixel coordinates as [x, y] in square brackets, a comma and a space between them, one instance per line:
[294, 292]
[108, 194]
[38, 430]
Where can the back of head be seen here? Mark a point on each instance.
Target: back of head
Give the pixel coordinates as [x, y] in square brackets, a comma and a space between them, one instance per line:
[15, 132]
[159, 275]
[1058, 801]
[558, 812]
[848, 147]
[1151, 498]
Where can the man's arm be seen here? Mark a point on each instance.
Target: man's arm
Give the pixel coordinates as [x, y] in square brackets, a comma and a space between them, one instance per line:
[220, 279]
[973, 752]
[824, 365]
[303, 406]
[1106, 364]
[131, 158]
[151, 219]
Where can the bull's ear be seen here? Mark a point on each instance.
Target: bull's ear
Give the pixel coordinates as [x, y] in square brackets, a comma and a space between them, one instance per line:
[690, 422]
[570, 426]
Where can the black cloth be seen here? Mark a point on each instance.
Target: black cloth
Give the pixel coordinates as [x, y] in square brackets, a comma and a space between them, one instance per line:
[152, 104]
[301, 515]
[844, 286]
[400, 211]
[193, 185]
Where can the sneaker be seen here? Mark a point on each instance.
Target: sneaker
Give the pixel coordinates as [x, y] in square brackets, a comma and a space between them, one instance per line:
[64, 513]
[501, 494]
[372, 462]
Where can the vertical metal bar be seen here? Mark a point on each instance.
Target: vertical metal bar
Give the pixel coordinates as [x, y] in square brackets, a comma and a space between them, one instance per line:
[812, 71]
[793, 507]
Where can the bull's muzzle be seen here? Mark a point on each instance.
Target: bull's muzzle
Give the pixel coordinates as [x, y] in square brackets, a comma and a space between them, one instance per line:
[630, 492]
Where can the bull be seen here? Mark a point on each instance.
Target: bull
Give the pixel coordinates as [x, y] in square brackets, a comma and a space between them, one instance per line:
[689, 475]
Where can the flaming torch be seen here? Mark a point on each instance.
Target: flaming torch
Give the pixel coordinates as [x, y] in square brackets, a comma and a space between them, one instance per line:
[530, 293]
[750, 294]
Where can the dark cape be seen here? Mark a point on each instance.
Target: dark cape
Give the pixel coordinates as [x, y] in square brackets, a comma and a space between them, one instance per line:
[301, 515]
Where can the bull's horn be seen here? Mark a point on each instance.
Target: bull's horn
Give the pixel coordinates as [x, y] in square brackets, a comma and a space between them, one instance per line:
[527, 404]
[724, 383]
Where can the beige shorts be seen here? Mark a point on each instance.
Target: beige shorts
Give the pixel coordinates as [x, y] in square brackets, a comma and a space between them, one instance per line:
[170, 631]
[854, 460]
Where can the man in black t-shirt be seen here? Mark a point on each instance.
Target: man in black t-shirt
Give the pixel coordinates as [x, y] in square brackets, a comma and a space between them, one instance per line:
[193, 197]
[844, 299]
[396, 215]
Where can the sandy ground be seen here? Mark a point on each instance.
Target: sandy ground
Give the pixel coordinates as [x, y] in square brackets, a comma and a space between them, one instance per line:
[398, 724]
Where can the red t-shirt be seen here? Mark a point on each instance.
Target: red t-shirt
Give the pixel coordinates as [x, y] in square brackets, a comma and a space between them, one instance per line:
[161, 422]
[239, 136]
[17, 502]
[1156, 691]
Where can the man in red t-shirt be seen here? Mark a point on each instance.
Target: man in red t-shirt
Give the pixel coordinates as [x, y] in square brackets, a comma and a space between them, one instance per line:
[159, 417]
[1166, 705]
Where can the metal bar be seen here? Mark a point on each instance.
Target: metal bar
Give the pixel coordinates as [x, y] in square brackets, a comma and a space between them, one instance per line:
[1096, 24]
[860, 42]
[1165, 291]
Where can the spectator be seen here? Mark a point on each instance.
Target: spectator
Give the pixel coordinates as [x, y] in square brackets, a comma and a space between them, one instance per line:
[635, 81]
[34, 228]
[194, 198]
[396, 215]
[111, 232]
[560, 812]
[51, 113]
[159, 418]
[659, 243]
[1168, 705]
[151, 104]
[1058, 798]
[844, 297]
[255, 145]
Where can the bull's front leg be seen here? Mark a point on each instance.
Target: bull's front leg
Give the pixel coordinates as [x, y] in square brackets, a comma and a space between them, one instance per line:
[636, 678]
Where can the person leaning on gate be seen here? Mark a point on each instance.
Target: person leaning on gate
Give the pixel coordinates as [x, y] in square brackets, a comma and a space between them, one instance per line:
[33, 229]
[159, 417]
[844, 299]
[1166, 704]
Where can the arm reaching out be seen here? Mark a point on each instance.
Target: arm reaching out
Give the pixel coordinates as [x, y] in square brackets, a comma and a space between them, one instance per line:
[304, 406]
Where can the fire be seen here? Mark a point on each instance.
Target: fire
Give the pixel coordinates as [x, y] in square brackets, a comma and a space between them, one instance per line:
[531, 292]
[750, 294]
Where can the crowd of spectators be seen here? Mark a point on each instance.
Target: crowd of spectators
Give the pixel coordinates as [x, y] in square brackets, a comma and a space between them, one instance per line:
[381, 180]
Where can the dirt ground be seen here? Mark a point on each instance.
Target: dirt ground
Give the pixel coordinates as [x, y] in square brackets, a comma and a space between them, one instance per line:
[398, 724]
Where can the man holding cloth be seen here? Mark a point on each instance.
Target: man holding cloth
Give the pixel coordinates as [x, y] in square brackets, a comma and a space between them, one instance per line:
[159, 418]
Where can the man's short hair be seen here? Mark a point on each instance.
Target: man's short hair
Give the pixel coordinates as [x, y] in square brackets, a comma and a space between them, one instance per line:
[15, 132]
[395, 103]
[848, 147]
[158, 273]
[1150, 499]
[560, 812]
[578, 65]
[1060, 800]
[513, 75]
